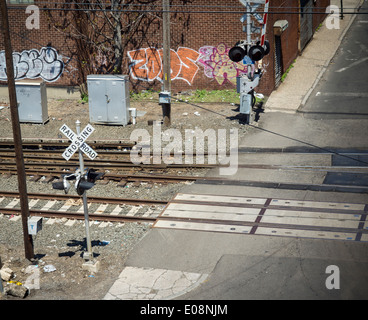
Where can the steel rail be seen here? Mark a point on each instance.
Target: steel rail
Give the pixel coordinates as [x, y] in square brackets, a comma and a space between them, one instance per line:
[62, 143]
[119, 165]
[78, 216]
[92, 199]
[114, 177]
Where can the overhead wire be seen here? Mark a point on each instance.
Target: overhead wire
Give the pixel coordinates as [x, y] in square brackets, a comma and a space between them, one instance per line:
[129, 8]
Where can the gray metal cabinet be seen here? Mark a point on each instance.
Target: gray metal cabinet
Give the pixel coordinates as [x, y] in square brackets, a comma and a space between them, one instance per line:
[108, 98]
[32, 101]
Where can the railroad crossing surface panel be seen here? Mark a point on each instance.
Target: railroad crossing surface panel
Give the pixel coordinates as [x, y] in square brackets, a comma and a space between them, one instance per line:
[266, 216]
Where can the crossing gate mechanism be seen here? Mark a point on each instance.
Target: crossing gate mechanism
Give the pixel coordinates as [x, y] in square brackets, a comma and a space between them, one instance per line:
[251, 50]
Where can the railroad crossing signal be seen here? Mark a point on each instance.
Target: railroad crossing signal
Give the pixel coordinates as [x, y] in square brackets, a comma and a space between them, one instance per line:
[84, 180]
[78, 142]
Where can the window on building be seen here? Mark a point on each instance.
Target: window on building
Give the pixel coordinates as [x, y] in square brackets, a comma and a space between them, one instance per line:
[20, 1]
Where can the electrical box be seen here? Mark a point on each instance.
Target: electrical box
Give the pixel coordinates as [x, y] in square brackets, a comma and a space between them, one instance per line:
[32, 101]
[34, 225]
[164, 97]
[244, 84]
[108, 99]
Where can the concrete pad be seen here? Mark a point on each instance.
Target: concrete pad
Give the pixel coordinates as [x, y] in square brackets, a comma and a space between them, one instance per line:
[153, 284]
[91, 266]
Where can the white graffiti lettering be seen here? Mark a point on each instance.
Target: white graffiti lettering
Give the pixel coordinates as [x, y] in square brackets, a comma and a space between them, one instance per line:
[46, 64]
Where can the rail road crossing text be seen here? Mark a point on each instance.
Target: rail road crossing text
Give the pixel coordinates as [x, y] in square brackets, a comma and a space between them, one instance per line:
[78, 142]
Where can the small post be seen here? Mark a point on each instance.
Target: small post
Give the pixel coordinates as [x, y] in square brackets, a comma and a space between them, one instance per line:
[87, 255]
[21, 173]
[166, 107]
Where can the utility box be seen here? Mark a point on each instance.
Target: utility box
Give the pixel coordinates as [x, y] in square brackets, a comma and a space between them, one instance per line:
[32, 101]
[34, 225]
[164, 97]
[108, 98]
[244, 84]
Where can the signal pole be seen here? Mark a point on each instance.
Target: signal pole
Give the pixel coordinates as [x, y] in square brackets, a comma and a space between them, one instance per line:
[166, 107]
[22, 183]
[89, 254]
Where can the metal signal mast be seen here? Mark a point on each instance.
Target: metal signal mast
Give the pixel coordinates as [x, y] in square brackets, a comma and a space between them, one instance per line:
[251, 50]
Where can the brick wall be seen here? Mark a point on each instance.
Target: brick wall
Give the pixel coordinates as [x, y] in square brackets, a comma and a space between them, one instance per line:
[199, 43]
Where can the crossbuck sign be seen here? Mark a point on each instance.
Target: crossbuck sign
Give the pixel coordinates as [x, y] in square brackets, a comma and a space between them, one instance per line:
[78, 142]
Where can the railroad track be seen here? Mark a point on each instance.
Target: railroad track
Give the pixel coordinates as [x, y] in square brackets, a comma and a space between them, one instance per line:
[43, 159]
[58, 144]
[69, 208]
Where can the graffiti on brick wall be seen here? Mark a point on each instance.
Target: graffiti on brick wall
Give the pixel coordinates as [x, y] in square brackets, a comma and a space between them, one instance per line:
[31, 64]
[217, 64]
[146, 64]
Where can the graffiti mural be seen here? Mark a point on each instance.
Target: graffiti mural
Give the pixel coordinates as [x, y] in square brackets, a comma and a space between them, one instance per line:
[217, 64]
[146, 64]
[31, 64]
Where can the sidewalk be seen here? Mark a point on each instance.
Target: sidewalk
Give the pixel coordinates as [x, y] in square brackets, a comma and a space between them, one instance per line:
[310, 65]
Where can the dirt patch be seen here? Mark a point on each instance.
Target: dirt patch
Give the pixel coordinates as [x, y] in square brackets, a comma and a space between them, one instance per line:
[184, 116]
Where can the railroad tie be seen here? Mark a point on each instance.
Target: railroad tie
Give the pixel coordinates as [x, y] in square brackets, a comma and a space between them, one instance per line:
[48, 205]
[133, 211]
[32, 203]
[116, 210]
[12, 204]
[101, 209]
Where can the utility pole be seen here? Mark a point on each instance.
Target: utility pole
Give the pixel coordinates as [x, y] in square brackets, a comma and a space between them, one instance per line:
[22, 183]
[342, 9]
[166, 107]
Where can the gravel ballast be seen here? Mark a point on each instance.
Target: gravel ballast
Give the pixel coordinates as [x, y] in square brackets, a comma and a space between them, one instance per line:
[62, 246]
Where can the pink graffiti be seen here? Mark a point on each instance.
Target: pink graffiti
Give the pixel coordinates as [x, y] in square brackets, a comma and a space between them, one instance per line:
[217, 64]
